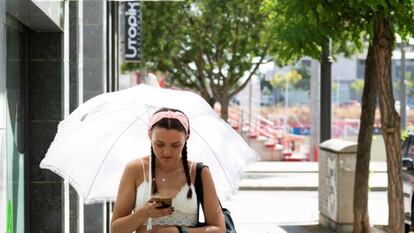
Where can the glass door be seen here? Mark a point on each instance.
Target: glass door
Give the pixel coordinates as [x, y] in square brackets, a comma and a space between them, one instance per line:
[16, 72]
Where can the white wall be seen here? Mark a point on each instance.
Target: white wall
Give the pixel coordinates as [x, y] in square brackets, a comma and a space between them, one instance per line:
[344, 69]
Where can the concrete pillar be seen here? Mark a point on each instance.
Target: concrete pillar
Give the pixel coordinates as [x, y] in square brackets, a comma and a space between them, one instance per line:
[93, 80]
[45, 189]
[73, 102]
[94, 53]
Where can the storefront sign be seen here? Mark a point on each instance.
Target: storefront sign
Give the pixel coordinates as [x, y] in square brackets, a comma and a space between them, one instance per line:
[132, 31]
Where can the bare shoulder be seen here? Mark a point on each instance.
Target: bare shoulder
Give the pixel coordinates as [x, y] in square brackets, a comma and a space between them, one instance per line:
[133, 165]
[208, 183]
[134, 169]
[205, 171]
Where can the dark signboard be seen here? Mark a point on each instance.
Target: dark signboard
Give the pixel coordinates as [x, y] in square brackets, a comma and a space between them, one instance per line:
[132, 33]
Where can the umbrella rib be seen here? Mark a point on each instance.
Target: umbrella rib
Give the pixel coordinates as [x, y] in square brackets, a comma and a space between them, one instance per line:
[121, 123]
[211, 149]
[109, 113]
[112, 146]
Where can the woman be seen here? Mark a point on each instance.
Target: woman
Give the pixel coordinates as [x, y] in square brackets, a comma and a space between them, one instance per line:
[172, 175]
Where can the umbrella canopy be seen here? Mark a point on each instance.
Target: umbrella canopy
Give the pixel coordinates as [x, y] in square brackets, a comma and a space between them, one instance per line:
[95, 142]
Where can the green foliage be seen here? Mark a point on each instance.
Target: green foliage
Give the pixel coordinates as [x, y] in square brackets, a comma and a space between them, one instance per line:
[358, 86]
[9, 226]
[292, 77]
[303, 83]
[300, 27]
[334, 87]
[405, 133]
[129, 66]
[409, 82]
[204, 44]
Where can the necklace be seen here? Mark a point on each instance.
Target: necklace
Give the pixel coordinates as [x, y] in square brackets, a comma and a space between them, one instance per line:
[163, 179]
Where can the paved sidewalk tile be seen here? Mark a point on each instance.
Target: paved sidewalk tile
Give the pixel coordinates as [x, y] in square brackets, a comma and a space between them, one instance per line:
[299, 181]
[271, 228]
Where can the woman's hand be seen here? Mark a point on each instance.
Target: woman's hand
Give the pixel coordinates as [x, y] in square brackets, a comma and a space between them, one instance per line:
[152, 210]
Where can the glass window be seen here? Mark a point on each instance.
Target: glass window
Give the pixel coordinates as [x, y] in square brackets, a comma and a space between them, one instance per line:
[16, 45]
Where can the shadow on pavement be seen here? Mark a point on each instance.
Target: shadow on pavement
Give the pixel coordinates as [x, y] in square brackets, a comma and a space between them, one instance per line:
[306, 229]
[321, 229]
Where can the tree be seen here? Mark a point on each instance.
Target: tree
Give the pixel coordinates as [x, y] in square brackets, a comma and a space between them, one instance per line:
[358, 86]
[281, 80]
[303, 25]
[210, 46]
[304, 83]
[410, 84]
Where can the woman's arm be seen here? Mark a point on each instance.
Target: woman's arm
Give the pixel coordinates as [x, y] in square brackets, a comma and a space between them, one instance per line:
[123, 220]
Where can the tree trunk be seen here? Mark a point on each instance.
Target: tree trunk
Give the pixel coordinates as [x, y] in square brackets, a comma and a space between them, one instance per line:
[224, 109]
[390, 121]
[369, 95]
[224, 101]
[210, 100]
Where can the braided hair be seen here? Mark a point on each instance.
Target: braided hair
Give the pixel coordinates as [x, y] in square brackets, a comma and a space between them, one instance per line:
[170, 123]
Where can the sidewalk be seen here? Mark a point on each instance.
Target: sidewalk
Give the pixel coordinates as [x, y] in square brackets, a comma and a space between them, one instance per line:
[295, 167]
[301, 176]
[282, 197]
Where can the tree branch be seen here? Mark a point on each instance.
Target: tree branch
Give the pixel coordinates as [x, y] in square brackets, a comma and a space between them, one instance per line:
[251, 73]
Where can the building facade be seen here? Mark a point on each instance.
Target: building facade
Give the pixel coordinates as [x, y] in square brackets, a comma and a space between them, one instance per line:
[54, 56]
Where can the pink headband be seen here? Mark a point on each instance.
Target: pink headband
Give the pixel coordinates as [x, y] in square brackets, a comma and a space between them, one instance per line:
[171, 115]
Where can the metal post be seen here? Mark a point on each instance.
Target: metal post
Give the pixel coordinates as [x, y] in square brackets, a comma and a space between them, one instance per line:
[325, 123]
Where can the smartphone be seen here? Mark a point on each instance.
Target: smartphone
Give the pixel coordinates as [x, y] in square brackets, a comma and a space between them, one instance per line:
[165, 201]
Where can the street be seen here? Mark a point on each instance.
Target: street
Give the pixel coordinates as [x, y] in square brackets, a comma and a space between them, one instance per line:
[279, 211]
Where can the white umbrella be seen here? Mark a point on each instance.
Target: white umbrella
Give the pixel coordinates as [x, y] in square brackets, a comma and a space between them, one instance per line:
[94, 143]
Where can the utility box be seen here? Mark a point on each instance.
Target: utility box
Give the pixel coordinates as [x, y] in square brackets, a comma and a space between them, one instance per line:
[337, 162]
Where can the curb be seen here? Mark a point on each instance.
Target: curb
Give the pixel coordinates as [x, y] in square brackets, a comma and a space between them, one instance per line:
[297, 188]
[292, 171]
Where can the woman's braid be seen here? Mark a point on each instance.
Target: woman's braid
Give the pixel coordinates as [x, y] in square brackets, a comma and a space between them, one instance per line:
[154, 184]
[186, 170]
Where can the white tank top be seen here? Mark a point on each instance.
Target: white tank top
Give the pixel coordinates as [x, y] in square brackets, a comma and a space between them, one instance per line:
[185, 210]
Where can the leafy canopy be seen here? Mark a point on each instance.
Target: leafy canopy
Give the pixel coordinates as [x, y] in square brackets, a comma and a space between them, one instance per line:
[207, 45]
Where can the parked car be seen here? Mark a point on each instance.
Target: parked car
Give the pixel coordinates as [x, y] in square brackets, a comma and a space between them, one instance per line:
[408, 180]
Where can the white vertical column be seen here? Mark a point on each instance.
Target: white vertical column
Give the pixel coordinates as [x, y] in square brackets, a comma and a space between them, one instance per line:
[65, 101]
[104, 39]
[105, 84]
[80, 51]
[314, 107]
[80, 96]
